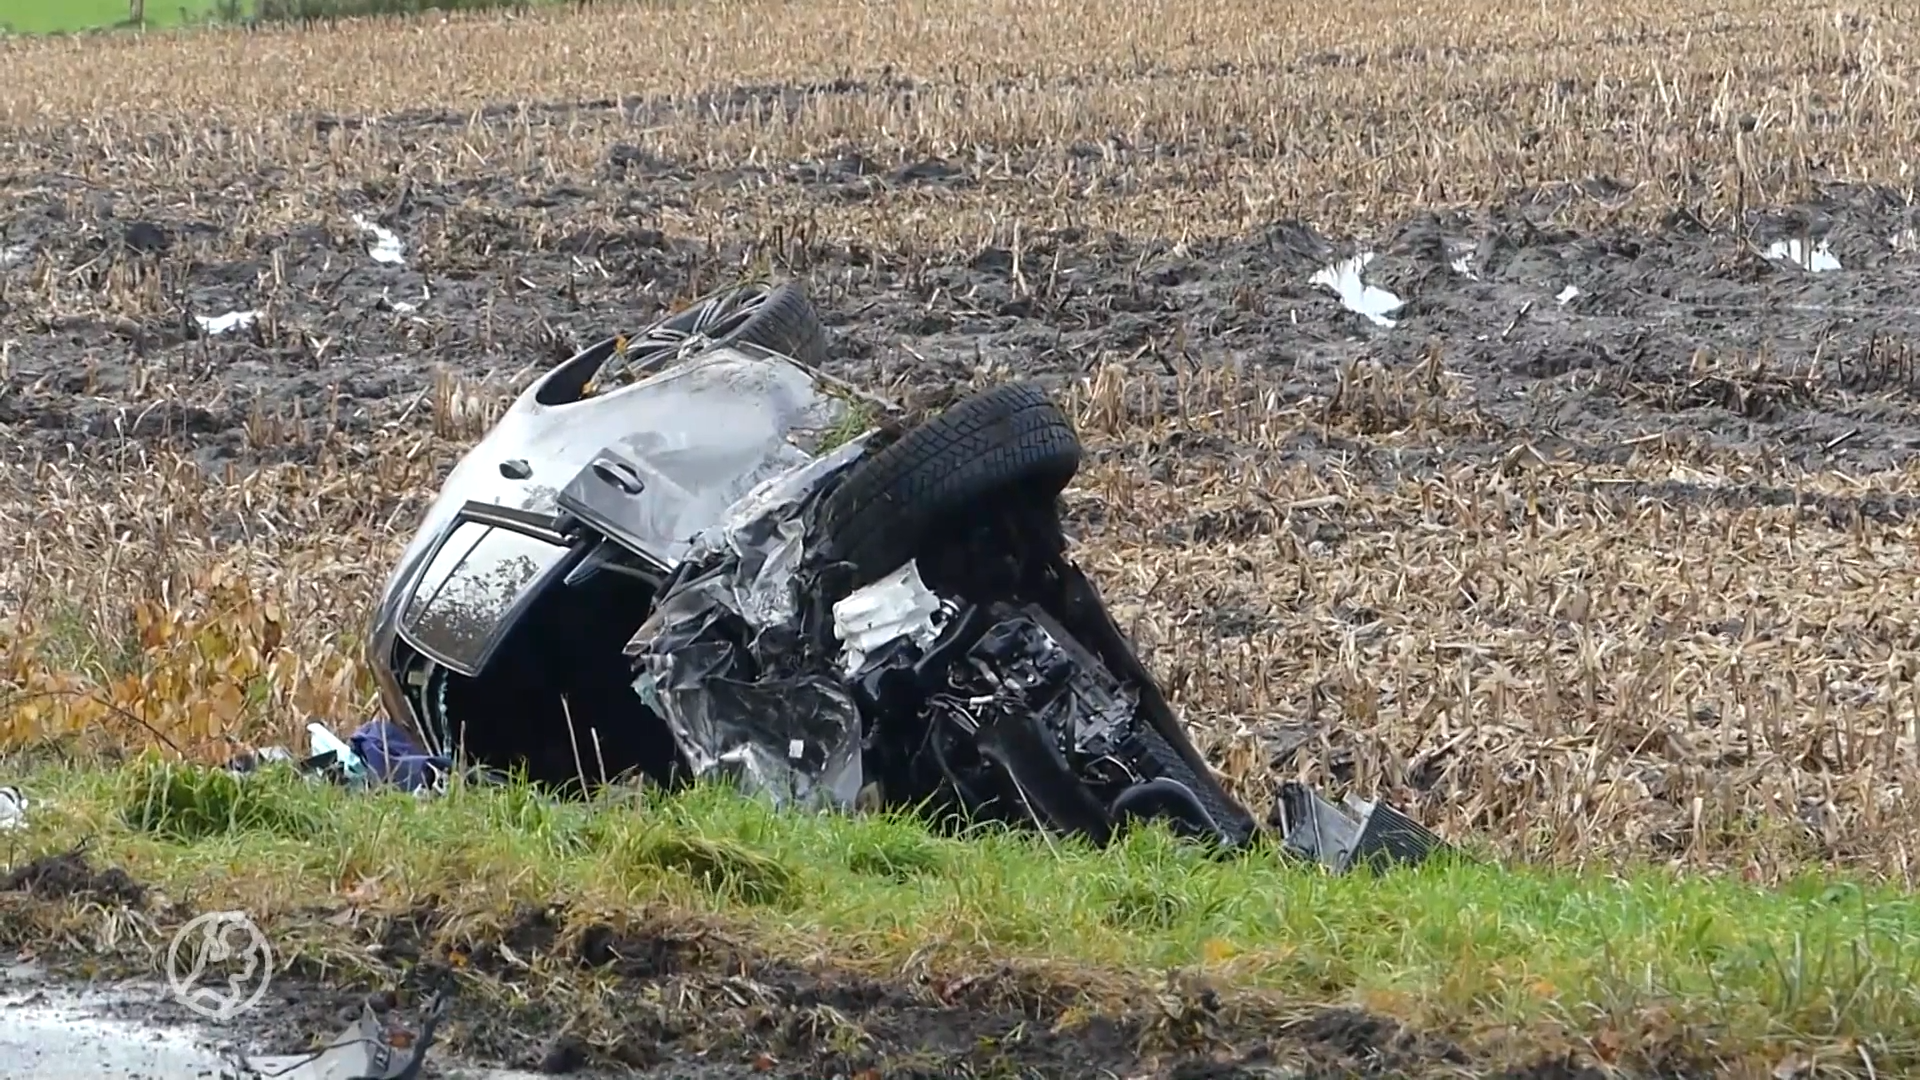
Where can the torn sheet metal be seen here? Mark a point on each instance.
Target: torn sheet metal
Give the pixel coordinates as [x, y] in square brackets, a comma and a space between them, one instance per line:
[1358, 833]
[720, 658]
[897, 606]
[361, 1051]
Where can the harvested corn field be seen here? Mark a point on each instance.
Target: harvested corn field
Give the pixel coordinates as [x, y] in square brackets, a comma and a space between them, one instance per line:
[1510, 412]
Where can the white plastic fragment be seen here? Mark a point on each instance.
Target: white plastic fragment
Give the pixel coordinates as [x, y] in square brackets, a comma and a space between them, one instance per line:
[15, 254]
[1818, 259]
[322, 741]
[1462, 260]
[13, 809]
[1356, 295]
[404, 307]
[898, 605]
[386, 247]
[220, 324]
[1568, 293]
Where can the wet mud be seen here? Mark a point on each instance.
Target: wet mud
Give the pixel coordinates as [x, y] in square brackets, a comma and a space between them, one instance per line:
[684, 1004]
[1580, 342]
[551, 992]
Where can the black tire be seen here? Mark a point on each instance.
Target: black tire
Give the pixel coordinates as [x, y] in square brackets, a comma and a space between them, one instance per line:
[777, 317]
[1157, 758]
[1010, 440]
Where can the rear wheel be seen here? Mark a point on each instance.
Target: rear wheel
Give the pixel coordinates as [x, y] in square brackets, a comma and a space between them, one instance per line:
[777, 317]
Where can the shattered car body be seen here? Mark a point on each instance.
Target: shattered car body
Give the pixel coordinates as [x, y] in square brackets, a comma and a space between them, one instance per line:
[729, 567]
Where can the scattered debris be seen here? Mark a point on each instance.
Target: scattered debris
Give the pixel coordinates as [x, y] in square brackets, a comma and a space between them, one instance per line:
[1356, 833]
[1461, 260]
[216, 325]
[386, 247]
[364, 1049]
[1817, 259]
[1356, 295]
[378, 754]
[1567, 294]
[13, 808]
[404, 307]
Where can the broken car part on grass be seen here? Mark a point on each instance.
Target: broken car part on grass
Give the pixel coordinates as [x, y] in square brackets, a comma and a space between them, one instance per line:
[690, 554]
[363, 1050]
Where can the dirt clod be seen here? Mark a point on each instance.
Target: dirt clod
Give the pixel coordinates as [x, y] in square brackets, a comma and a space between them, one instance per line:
[69, 875]
[565, 1054]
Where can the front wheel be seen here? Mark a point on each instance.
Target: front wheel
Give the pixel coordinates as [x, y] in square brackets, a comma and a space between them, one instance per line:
[1009, 444]
[1172, 788]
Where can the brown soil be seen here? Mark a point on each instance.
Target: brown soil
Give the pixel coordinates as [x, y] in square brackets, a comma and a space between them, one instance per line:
[675, 1001]
[68, 876]
[1677, 330]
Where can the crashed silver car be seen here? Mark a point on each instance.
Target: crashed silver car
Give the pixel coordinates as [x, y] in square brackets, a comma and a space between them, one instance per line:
[690, 553]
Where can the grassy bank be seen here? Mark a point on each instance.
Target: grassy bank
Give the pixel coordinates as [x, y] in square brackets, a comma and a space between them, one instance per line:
[1483, 953]
[71, 16]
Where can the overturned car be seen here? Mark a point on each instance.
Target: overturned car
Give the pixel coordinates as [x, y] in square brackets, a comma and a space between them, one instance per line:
[690, 553]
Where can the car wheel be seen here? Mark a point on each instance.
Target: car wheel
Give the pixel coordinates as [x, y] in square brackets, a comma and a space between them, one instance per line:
[1007, 441]
[777, 317]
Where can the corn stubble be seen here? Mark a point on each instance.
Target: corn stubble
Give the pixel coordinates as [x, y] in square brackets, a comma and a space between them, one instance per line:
[1542, 653]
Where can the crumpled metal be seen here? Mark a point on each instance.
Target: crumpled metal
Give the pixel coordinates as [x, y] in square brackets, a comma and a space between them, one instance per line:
[719, 658]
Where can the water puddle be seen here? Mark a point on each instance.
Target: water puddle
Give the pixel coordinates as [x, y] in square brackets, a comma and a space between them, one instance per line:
[1567, 294]
[1356, 295]
[54, 1032]
[386, 247]
[214, 325]
[1818, 259]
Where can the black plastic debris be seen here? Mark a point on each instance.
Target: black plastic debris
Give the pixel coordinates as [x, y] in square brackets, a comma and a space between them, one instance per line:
[1360, 833]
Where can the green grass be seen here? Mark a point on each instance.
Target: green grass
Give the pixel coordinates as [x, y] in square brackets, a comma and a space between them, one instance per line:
[1470, 948]
[70, 16]
[49, 16]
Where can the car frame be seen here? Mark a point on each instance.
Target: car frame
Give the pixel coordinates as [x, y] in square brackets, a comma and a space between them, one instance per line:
[737, 566]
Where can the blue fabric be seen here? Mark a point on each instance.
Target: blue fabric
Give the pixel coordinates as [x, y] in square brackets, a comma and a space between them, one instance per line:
[392, 757]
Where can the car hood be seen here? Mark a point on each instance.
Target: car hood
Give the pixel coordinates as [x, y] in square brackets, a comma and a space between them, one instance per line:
[699, 433]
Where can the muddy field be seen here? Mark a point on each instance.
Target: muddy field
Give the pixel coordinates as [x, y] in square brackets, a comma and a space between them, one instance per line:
[1674, 340]
[1593, 540]
[1583, 344]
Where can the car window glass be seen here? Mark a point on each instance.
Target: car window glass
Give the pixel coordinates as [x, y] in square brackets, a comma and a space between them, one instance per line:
[470, 586]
